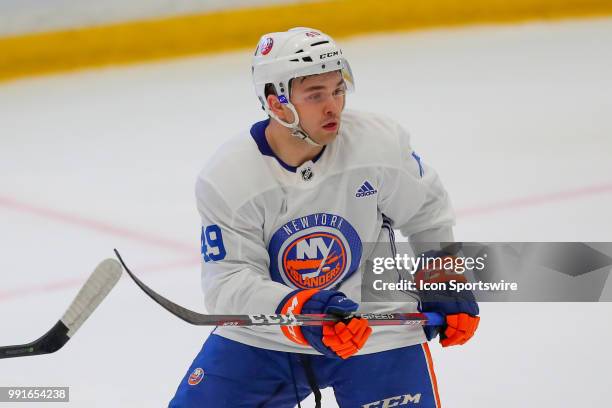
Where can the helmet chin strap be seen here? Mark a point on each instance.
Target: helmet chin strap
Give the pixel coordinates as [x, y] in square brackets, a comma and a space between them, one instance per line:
[295, 128]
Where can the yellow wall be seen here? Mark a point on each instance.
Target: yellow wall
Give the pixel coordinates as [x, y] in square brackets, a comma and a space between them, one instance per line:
[225, 30]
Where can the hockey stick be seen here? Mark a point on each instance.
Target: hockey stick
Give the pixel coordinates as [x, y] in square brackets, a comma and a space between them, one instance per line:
[93, 292]
[375, 319]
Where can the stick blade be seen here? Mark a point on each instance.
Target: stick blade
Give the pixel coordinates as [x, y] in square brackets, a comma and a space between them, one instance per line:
[93, 292]
[98, 285]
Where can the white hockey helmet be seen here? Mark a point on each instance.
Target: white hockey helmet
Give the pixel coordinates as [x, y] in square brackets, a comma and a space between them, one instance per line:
[283, 56]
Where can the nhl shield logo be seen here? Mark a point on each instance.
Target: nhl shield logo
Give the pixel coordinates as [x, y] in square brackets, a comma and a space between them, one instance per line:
[314, 252]
[196, 376]
[307, 174]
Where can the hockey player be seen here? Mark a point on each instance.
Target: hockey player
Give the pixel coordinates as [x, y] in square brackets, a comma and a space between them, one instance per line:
[285, 209]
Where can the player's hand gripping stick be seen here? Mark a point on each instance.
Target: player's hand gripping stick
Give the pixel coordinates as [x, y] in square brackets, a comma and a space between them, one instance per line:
[334, 339]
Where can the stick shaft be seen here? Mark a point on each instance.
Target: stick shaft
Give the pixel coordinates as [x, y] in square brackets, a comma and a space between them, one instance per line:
[199, 319]
[374, 319]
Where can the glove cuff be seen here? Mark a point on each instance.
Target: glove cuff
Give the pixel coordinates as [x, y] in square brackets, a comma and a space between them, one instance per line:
[293, 304]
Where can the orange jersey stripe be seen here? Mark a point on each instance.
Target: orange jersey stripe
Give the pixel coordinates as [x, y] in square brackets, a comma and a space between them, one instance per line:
[432, 374]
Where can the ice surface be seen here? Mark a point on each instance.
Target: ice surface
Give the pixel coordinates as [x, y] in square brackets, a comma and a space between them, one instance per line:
[516, 119]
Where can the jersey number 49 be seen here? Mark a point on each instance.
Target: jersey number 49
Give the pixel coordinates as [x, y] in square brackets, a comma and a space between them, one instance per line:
[212, 243]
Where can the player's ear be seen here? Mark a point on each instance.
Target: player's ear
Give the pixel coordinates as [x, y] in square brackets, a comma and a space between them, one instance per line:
[275, 106]
[280, 110]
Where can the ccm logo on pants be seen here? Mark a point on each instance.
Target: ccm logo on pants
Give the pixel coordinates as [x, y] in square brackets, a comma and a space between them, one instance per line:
[398, 401]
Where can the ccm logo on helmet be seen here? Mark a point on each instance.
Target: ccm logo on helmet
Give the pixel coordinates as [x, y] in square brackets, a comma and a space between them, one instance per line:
[329, 54]
[397, 401]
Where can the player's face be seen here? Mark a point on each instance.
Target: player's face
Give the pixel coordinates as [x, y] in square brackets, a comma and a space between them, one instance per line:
[319, 101]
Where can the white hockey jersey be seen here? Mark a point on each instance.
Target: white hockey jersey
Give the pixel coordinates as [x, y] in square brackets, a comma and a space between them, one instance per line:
[269, 228]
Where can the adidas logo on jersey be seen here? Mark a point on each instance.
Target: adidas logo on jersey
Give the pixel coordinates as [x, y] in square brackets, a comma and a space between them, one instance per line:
[365, 190]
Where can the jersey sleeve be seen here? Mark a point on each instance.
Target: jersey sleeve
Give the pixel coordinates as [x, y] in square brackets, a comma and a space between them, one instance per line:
[235, 274]
[412, 194]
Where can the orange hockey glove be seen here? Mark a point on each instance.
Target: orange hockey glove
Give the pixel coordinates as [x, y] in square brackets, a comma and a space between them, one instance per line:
[459, 308]
[459, 329]
[341, 339]
[347, 339]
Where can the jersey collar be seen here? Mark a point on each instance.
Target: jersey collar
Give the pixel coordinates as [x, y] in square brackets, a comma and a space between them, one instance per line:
[258, 132]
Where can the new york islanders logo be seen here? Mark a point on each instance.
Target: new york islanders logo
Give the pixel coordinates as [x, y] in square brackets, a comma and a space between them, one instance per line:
[196, 376]
[266, 45]
[313, 252]
[314, 260]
